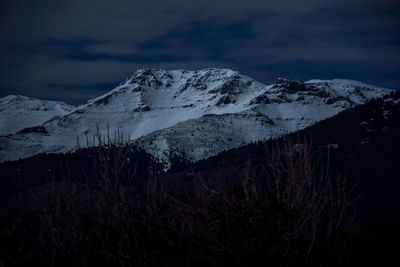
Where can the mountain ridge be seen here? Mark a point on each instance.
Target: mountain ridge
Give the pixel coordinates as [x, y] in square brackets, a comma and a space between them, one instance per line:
[194, 113]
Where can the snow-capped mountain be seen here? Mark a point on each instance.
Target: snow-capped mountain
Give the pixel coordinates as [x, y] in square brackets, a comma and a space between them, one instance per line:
[20, 112]
[195, 113]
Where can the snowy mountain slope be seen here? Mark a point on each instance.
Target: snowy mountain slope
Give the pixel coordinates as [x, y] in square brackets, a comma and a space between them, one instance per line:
[19, 112]
[198, 113]
[283, 107]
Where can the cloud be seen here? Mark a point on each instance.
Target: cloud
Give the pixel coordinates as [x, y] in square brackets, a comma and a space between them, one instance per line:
[79, 46]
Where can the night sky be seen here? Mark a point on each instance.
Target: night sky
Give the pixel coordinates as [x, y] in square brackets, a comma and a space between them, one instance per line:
[75, 50]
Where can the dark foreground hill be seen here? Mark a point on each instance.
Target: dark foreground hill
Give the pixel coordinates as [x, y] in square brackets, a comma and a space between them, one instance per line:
[284, 202]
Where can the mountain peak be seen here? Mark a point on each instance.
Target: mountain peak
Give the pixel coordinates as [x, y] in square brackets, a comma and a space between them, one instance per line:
[18, 112]
[15, 98]
[161, 74]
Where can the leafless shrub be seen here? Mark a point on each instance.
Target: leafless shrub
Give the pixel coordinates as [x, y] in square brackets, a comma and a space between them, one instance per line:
[125, 222]
[304, 182]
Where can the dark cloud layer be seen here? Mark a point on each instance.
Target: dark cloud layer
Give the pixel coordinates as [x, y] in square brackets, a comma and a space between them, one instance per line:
[74, 50]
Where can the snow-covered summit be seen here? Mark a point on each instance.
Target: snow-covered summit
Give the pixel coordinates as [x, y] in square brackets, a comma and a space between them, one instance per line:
[196, 113]
[18, 112]
[178, 86]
